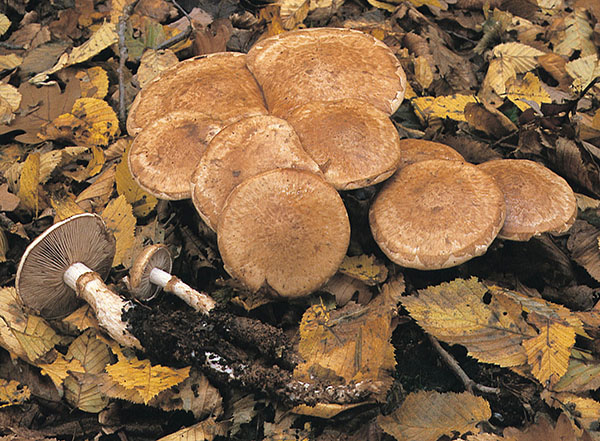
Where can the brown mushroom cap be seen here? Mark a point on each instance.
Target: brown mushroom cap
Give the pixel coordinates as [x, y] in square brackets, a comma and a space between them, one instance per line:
[537, 199]
[39, 281]
[286, 229]
[436, 214]
[152, 256]
[245, 148]
[218, 85]
[354, 143]
[416, 150]
[323, 64]
[163, 156]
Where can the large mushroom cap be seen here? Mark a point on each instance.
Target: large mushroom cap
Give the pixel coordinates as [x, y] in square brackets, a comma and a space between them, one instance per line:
[152, 256]
[241, 150]
[436, 214]
[323, 64]
[537, 199]
[354, 143]
[163, 156]
[218, 85]
[286, 229]
[39, 282]
[416, 150]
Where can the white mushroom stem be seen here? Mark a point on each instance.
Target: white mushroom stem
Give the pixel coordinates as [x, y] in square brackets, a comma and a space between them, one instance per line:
[106, 305]
[173, 284]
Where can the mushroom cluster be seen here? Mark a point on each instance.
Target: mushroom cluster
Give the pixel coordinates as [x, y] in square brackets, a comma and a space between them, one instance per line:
[262, 143]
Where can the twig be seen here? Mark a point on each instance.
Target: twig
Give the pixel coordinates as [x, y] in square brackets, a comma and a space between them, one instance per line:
[121, 27]
[182, 35]
[459, 372]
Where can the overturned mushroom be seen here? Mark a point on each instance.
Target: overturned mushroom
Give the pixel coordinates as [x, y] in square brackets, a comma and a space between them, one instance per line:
[537, 199]
[436, 214]
[324, 64]
[283, 229]
[151, 271]
[68, 261]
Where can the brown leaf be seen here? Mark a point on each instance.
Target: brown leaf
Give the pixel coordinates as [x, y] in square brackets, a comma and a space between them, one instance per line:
[583, 245]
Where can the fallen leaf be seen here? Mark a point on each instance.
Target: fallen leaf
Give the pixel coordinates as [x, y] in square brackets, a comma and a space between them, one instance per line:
[8, 201]
[64, 207]
[583, 71]
[29, 183]
[427, 415]
[583, 245]
[93, 82]
[584, 411]
[364, 268]
[82, 318]
[543, 430]
[142, 202]
[92, 353]
[205, 430]
[10, 101]
[583, 373]
[82, 392]
[13, 393]
[451, 106]
[577, 36]
[521, 57]
[153, 62]
[4, 24]
[37, 339]
[59, 369]
[119, 219]
[527, 91]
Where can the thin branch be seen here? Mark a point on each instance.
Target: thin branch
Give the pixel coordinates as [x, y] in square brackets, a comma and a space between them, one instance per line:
[459, 372]
[182, 35]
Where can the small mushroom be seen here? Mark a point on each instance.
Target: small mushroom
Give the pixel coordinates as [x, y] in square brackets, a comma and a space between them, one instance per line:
[354, 143]
[416, 150]
[537, 199]
[69, 261]
[284, 229]
[151, 271]
[325, 64]
[437, 213]
[241, 150]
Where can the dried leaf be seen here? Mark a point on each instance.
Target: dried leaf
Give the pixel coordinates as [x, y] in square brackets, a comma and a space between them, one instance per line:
[543, 430]
[59, 369]
[425, 416]
[205, 430]
[583, 373]
[153, 62]
[344, 287]
[584, 411]
[93, 82]
[10, 100]
[82, 318]
[294, 12]
[521, 57]
[583, 71]
[37, 339]
[460, 312]
[12, 392]
[578, 35]
[82, 392]
[527, 91]
[92, 353]
[4, 24]
[583, 245]
[29, 182]
[452, 107]
[119, 219]
[142, 202]
[498, 73]
[8, 201]
[65, 207]
[102, 38]
[101, 188]
[3, 246]
[12, 317]
[364, 268]
[144, 378]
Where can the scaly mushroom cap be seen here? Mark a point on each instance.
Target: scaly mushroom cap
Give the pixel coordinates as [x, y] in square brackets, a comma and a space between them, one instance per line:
[163, 156]
[286, 229]
[436, 214]
[354, 143]
[324, 64]
[416, 150]
[152, 256]
[39, 282]
[218, 85]
[537, 199]
[241, 150]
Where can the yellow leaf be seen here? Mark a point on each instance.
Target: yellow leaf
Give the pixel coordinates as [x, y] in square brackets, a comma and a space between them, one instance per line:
[4, 24]
[92, 353]
[423, 72]
[29, 182]
[93, 82]
[101, 188]
[10, 61]
[146, 379]
[583, 70]
[12, 317]
[452, 106]
[64, 207]
[498, 73]
[51, 160]
[120, 221]
[596, 120]
[271, 15]
[294, 12]
[117, 9]
[382, 5]
[81, 391]
[37, 339]
[364, 268]
[82, 318]
[460, 312]
[142, 202]
[153, 62]
[585, 411]
[526, 91]
[59, 369]
[205, 430]
[3, 246]
[578, 35]
[102, 38]
[10, 97]
[426, 416]
[548, 352]
[523, 58]
[583, 373]
[12, 392]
